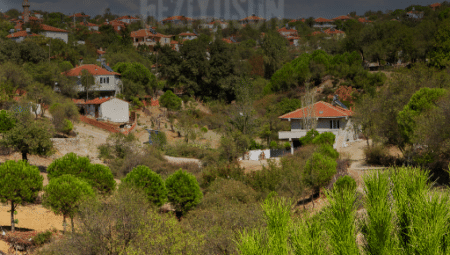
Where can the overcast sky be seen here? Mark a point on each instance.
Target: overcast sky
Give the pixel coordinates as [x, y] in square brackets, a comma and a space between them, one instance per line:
[226, 9]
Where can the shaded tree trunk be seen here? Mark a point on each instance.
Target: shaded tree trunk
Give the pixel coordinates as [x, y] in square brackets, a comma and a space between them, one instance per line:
[73, 227]
[12, 217]
[64, 224]
[24, 156]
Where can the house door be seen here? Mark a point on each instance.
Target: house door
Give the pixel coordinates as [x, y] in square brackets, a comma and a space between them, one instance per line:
[334, 124]
[96, 111]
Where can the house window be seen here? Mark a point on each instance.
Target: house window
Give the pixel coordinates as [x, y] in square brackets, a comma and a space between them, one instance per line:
[101, 80]
[107, 80]
[334, 124]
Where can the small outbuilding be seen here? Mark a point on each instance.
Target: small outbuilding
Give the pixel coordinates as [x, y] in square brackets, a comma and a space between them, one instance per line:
[108, 108]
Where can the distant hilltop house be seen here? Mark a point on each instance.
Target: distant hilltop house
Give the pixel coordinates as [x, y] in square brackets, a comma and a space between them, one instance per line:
[177, 20]
[364, 20]
[150, 38]
[105, 108]
[127, 19]
[323, 23]
[251, 20]
[116, 24]
[46, 30]
[343, 18]
[21, 35]
[290, 34]
[187, 36]
[90, 26]
[107, 82]
[435, 6]
[413, 14]
[334, 118]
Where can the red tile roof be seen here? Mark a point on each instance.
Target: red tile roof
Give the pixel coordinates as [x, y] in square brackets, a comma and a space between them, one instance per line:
[342, 17]
[364, 20]
[98, 100]
[321, 110]
[174, 42]
[147, 33]
[316, 33]
[435, 5]
[187, 34]
[252, 18]
[79, 15]
[22, 33]
[53, 29]
[127, 17]
[101, 52]
[18, 26]
[322, 20]
[295, 20]
[154, 102]
[91, 68]
[217, 21]
[78, 101]
[177, 18]
[332, 31]
[88, 24]
[284, 29]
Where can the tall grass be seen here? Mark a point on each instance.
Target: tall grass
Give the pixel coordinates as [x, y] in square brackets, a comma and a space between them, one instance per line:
[308, 237]
[407, 183]
[378, 227]
[429, 228]
[340, 221]
[274, 239]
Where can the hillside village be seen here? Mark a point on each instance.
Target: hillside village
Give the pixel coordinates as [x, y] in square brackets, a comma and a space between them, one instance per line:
[305, 135]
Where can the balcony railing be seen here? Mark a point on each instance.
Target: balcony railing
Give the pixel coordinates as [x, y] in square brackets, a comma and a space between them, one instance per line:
[295, 134]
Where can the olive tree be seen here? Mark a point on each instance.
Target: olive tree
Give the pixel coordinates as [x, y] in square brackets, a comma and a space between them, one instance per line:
[63, 195]
[151, 182]
[19, 182]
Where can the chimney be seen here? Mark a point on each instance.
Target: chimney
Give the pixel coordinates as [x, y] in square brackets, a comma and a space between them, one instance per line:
[107, 64]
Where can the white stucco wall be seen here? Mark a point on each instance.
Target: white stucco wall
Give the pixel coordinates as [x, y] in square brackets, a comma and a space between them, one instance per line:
[115, 110]
[57, 35]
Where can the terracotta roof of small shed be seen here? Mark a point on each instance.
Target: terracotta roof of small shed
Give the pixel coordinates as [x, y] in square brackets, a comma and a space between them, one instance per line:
[321, 110]
[53, 29]
[342, 17]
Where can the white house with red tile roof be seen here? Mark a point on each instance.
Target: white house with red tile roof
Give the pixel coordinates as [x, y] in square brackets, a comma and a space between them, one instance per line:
[20, 36]
[106, 108]
[285, 32]
[128, 19]
[251, 20]
[146, 37]
[105, 81]
[332, 118]
[187, 36]
[334, 33]
[323, 23]
[90, 26]
[54, 33]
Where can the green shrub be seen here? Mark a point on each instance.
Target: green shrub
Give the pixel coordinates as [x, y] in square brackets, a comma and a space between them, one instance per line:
[228, 191]
[319, 170]
[67, 127]
[151, 182]
[328, 150]
[309, 137]
[42, 237]
[183, 191]
[324, 138]
[7, 121]
[170, 101]
[345, 182]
